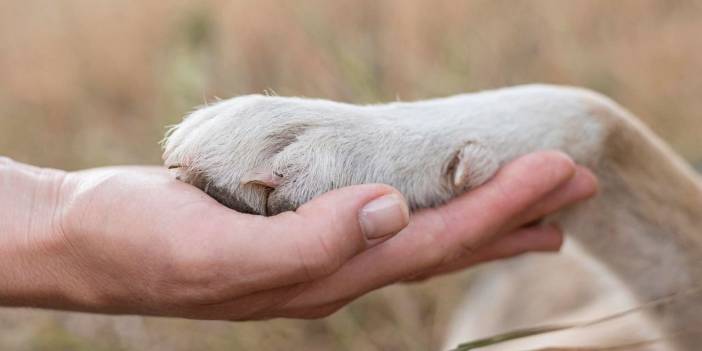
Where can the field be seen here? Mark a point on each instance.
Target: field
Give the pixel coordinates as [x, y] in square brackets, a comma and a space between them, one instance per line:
[87, 84]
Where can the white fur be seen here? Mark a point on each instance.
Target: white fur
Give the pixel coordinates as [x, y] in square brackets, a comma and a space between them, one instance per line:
[324, 145]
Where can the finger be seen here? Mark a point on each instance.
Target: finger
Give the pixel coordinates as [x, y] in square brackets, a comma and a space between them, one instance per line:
[517, 187]
[323, 234]
[338, 225]
[436, 236]
[536, 238]
[529, 239]
[582, 186]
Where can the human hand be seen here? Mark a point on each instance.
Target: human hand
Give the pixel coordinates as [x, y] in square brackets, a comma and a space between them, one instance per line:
[134, 240]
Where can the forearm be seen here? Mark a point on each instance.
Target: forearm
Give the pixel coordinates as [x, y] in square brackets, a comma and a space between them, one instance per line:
[31, 249]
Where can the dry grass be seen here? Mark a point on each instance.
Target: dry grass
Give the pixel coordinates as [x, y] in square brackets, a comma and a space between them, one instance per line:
[86, 83]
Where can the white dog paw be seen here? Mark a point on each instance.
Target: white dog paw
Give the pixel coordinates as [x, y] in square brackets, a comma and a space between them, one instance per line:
[266, 155]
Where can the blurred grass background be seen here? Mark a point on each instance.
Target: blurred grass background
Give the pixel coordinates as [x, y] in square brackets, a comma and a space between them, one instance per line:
[90, 83]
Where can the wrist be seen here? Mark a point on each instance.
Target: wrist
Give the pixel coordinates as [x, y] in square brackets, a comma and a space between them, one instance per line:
[33, 255]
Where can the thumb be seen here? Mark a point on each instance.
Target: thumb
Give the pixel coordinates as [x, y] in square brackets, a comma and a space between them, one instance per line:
[337, 225]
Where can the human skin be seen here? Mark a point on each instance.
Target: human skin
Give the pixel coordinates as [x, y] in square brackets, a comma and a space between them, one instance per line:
[133, 240]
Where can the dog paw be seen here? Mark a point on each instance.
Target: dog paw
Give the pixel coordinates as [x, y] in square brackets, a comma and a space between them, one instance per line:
[266, 155]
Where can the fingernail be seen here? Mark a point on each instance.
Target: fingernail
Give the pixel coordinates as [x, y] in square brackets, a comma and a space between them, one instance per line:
[383, 216]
